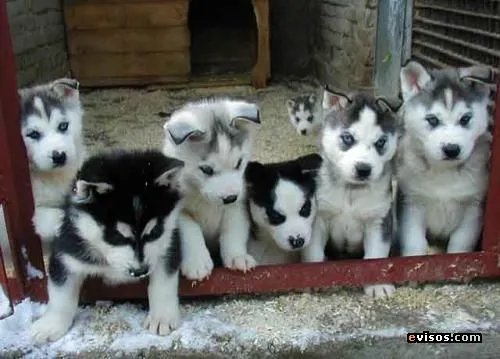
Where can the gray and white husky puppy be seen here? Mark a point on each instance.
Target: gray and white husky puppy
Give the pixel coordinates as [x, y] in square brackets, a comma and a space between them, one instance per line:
[354, 194]
[305, 114]
[120, 223]
[51, 127]
[214, 138]
[442, 157]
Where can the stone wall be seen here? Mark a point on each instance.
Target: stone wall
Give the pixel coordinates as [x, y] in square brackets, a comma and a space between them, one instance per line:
[344, 42]
[37, 30]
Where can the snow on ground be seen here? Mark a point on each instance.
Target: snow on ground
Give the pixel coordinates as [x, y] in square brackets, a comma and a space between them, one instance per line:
[285, 322]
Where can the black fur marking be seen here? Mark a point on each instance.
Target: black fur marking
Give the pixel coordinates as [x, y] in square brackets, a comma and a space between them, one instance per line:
[387, 227]
[134, 200]
[58, 272]
[262, 178]
[236, 136]
[50, 103]
[174, 252]
[348, 116]
[303, 100]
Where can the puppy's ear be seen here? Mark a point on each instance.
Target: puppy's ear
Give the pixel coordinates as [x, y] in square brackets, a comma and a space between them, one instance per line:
[180, 131]
[67, 89]
[245, 113]
[290, 104]
[170, 174]
[84, 191]
[479, 85]
[312, 99]
[413, 77]
[334, 101]
[384, 104]
[482, 73]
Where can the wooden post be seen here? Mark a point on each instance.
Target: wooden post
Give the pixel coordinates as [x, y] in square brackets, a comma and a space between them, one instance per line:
[389, 43]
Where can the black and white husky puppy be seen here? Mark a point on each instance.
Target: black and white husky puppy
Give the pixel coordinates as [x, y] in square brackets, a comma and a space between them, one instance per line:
[354, 193]
[282, 204]
[51, 127]
[442, 157]
[121, 224]
[214, 138]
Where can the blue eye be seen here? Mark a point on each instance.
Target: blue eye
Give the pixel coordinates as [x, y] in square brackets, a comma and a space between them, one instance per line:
[465, 119]
[63, 127]
[34, 135]
[347, 139]
[432, 120]
[381, 142]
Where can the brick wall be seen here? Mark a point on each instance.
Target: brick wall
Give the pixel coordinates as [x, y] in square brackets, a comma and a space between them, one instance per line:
[344, 42]
[37, 31]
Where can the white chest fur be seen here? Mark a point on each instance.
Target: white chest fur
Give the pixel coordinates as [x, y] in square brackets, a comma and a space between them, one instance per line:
[208, 215]
[347, 211]
[443, 193]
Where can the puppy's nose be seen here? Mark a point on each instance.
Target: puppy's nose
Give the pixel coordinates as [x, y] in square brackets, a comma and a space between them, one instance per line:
[451, 150]
[363, 170]
[296, 242]
[139, 272]
[230, 199]
[303, 132]
[58, 158]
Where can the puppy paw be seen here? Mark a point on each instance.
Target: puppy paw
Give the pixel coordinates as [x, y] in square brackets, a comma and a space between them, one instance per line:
[163, 323]
[244, 262]
[197, 267]
[50, 327]
[380, 290]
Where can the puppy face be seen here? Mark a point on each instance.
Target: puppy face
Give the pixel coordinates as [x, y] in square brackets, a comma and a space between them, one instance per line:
[359, 137]
[51, 124]
[303, 114]
[132, 197]
[215, 141]
[445, 112]
[282, 203]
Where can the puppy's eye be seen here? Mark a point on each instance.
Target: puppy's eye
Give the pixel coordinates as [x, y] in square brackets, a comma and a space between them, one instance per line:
[209, 171]
[297, 119]
[347, 139]
[381, 142]
[274, 217]
[465, 119]
[63, 127]
[432, 120]
[305, 211]
[34, 135]
[156, 232]
[310, 119]
[238, 165]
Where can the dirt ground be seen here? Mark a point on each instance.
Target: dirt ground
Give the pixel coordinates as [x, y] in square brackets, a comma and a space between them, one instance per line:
[128, 118]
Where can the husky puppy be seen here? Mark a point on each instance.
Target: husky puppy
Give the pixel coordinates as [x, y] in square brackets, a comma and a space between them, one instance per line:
[442, 157]
[51, 127]
[121, 224]
[214, 139]
[354, 193]
[283, 207]
[305, 114]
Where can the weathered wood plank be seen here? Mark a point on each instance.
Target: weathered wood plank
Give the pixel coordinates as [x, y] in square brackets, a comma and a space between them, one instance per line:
[90, 15]
[130, 64]
[167, 39]
[169, 13]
